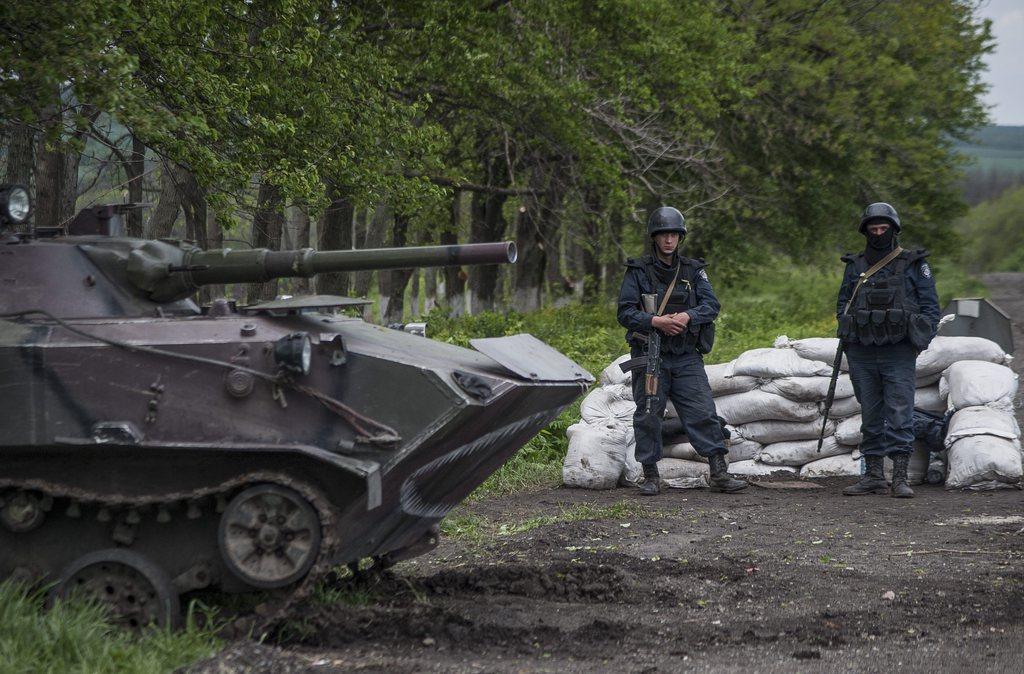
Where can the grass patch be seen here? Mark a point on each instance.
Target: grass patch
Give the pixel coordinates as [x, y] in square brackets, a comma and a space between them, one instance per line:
[75, 636]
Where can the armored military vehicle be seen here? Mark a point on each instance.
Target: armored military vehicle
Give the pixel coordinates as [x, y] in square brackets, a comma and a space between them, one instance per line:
[150, 447]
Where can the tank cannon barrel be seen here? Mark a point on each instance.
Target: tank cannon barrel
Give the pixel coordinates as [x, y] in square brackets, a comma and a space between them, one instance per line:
[205, 267]
[166, 272]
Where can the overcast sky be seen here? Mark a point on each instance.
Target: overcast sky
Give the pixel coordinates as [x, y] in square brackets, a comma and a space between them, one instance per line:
[1006, 65]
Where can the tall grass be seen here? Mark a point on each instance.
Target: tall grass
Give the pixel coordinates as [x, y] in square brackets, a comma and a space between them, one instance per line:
[75, 636]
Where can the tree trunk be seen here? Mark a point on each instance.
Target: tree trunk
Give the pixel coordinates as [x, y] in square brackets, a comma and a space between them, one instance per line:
[301, 286]
[429, 290]
[335, 233]
[487, 224]
[375, 233]
[165, 214]
[267, 225]
[454, 277]
[394, 282]
[414, 293]
[536, 226]
[20, 154]
[590, 260]
[49, 181]
[134, 168]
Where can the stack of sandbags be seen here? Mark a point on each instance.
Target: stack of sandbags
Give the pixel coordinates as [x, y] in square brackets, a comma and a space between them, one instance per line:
[772, 400]
[983, 438]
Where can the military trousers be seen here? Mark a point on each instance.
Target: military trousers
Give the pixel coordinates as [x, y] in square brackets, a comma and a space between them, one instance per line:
[684, 382]
[883, 381]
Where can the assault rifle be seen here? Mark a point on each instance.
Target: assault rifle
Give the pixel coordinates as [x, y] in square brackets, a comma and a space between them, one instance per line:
[831, 395]
[652, 361]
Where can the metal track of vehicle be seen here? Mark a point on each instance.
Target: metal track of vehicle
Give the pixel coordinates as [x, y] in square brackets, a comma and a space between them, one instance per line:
[283, 598]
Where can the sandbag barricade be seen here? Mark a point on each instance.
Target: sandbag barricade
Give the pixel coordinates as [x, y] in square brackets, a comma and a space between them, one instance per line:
[772, 400]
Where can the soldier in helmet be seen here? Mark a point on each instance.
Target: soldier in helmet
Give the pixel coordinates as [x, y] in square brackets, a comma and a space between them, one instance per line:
[888, 312]
[687, 329]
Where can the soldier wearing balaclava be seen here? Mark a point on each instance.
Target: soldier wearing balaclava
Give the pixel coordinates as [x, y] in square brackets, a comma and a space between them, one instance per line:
[888, 312]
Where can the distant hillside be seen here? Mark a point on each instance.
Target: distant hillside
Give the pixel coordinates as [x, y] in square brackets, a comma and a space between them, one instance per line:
[998, 163]
[996, 147]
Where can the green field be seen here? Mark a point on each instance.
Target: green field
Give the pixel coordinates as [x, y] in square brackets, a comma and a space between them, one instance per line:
[995, 147]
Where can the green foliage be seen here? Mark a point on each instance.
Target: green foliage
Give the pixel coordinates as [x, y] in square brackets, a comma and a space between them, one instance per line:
[75, 636]
[851, 104]
[993, 235]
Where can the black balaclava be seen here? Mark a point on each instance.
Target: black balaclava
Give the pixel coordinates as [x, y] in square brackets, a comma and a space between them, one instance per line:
[665, 272]
[879, 246]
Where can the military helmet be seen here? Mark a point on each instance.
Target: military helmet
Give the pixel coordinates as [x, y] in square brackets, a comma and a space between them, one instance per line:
[666, 219]
[880, 211]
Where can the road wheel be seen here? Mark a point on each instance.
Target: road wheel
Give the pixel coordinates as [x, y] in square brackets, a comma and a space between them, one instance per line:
[137, 592]
[269, 536]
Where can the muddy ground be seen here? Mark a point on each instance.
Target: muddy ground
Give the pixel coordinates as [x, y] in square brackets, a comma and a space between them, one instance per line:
[769, 580]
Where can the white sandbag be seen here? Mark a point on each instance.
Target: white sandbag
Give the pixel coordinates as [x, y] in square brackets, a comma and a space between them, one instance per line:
[722, 384]
[613, 375]
[841, 465]
[848, 431]
[799, 452]
[775, 363]
[944, 351]
[981, 420]
[741, 449]
[632, 471]
[613, 403]
[595, 457]
[930, 399]
[770, 430]
[741, 408]
[842, 408]
[753, 468]
[681, 450]
[809, 389]
[814, 348]
[973, 382]
[670, 469]
[983, 462]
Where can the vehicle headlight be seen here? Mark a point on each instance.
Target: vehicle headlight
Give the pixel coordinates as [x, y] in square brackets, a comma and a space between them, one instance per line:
[14, 204]
[294, 352]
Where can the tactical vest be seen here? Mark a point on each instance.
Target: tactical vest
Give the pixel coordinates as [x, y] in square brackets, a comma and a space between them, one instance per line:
[695, 337]
[882, 312]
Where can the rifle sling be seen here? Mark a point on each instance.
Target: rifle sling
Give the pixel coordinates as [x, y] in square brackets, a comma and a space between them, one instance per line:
[869, 273]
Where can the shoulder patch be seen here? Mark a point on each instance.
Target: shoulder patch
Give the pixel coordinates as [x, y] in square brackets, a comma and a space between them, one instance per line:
[926, 271]
[704, 275]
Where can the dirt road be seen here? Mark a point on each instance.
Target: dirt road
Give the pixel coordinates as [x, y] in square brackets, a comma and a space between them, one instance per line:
[768, 580]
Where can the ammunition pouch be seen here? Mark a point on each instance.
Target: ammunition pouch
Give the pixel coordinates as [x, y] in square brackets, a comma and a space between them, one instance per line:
[883, 313]
[705, 338]
[919, 330]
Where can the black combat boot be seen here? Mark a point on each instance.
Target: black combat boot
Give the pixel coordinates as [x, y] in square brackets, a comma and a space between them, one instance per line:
[872, 481]
[720, 478]
[900, 488]
[651, 486]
